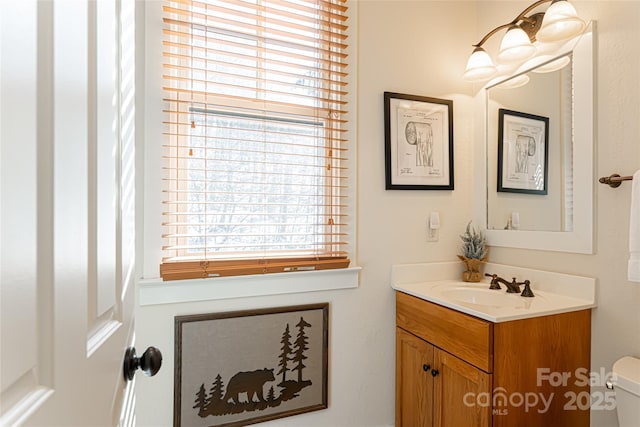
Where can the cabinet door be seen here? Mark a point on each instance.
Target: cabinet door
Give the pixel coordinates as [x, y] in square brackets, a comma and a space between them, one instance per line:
[461, 393]
[414, 382]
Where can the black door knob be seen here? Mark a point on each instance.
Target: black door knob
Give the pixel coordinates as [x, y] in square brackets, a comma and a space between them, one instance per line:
[149, 363]
[426, 367]
[434, 372]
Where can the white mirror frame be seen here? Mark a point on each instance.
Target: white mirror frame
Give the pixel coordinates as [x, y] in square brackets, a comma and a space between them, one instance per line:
[580, 240]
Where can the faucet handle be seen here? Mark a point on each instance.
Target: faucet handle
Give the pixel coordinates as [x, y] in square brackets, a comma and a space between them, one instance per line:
[527, 290]
[494, 281]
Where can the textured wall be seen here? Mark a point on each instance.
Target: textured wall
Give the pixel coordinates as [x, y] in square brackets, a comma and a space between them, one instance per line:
[420, 48]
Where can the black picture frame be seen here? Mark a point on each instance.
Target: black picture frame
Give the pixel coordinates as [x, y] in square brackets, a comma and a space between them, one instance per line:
[523, 152]
[418, 142]
[230, 368]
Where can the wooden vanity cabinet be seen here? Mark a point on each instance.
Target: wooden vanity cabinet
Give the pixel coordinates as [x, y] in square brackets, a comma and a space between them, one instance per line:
[449, 364]
[424, 391]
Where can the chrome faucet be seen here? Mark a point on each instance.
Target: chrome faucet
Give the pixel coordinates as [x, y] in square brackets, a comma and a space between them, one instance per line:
[512, 287]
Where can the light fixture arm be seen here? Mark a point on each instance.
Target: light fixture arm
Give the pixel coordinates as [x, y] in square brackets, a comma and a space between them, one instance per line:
[533, 22]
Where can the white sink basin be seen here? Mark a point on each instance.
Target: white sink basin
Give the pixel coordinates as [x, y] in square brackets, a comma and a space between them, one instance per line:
[485, 297]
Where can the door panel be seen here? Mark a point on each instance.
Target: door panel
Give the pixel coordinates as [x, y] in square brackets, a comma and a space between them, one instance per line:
[67, 210]
[23, 318]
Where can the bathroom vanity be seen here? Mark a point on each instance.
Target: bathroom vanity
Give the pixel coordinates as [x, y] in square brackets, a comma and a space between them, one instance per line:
[468, 356]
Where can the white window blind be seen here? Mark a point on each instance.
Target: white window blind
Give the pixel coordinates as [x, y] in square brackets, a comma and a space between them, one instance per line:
[255, 151]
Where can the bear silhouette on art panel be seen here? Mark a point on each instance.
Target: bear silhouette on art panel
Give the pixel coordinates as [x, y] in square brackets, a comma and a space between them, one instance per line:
[251, 382]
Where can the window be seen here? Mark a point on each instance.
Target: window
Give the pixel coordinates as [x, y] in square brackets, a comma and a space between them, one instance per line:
[255, 152]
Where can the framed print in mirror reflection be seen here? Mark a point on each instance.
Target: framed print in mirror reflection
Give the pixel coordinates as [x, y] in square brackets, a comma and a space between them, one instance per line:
[523, 141]
[418, 142]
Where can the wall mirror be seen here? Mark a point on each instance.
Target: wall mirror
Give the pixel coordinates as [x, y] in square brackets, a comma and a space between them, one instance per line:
[539, 147]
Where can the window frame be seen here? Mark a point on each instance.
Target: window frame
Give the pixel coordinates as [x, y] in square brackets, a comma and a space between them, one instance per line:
[261, 265]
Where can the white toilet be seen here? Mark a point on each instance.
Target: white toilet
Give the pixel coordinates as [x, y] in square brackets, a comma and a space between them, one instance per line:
[626, 386]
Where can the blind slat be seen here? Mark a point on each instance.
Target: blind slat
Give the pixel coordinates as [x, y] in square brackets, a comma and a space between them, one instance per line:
[185, 118]
[338, 5]
[202, 97]
[245, 245]
[213, 158]
[252, 81]
[318, 80]
[211, 129]
[265, 13]
[267, 64]
[266, 93]
[246, 30]
[212, 15]
[322, 59]
[334, 10]
[180, 224]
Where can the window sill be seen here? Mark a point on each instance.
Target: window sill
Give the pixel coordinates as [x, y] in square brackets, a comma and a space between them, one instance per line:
[156, 291]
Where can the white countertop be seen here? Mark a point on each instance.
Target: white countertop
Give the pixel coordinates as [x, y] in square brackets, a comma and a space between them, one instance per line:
[440, 283]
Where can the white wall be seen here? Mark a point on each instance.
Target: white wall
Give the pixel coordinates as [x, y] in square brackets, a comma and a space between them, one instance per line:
[420, 48]
[403, 46]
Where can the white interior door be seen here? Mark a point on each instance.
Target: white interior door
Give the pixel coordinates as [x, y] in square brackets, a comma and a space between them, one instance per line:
[67, 211]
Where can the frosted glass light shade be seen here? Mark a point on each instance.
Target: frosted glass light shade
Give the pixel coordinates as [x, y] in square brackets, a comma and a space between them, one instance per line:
[560, 22]
[515, 46]
[479, 66]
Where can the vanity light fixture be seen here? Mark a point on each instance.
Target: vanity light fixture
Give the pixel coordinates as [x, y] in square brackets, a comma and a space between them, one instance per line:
[559, 23]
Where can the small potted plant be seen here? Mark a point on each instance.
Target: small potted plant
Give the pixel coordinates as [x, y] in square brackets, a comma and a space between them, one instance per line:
[474, 253]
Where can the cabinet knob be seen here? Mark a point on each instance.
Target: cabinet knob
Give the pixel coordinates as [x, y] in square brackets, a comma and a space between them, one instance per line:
[434, 372]
[426, 367]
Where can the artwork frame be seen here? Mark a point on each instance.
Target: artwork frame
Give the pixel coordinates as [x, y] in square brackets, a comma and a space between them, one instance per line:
[523, 152]
[424, 123]
[240, 345]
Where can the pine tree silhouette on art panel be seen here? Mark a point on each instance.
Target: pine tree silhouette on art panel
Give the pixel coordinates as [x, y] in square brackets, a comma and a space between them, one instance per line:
[300, 347]
[285, 351]
[201, 401]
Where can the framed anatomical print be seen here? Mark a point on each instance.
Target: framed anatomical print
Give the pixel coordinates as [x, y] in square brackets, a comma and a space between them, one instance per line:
[418, 142]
